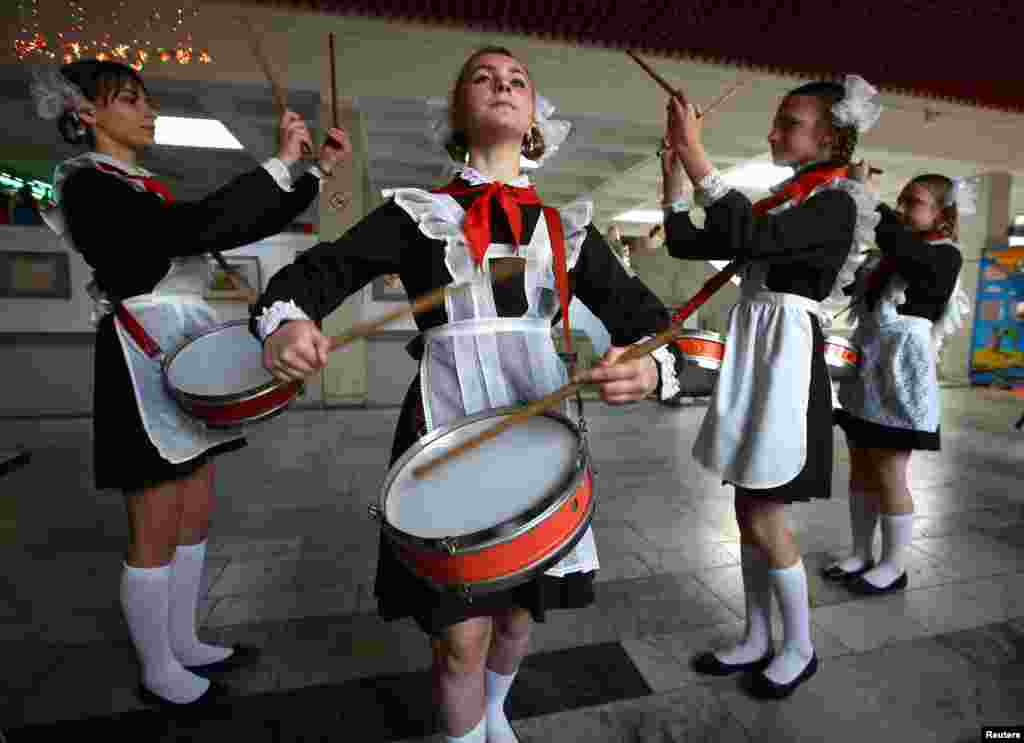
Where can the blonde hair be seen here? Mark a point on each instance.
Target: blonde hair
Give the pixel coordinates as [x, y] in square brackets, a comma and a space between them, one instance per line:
[458, 144]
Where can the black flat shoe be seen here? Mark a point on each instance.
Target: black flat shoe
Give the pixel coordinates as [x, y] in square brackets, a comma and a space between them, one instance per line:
[216, 693]
[709, 664]
[836, 573]
[763, 687]
[242, 656]
[861, 586]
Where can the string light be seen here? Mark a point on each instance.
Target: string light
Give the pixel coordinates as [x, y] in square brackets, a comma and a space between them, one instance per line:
[72, 43]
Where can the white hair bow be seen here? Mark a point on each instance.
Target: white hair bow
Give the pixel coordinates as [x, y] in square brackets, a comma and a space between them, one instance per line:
[858, 107]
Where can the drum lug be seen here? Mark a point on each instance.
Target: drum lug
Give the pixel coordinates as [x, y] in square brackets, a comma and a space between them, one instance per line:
[375, 513]
[464, 593]
[449, 545]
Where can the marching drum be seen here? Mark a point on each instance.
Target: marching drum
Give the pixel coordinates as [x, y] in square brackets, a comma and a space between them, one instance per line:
[218, 378]
[704, 348]
[496, 516]
[842, 357]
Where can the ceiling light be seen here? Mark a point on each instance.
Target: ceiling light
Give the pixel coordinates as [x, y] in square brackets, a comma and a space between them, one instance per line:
[641, 216]
[758, 175]
[178, 131]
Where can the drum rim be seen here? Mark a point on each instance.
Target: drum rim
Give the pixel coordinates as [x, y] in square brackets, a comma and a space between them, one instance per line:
[704, 335]
[234, 397]
[520, 576]
[500, 533]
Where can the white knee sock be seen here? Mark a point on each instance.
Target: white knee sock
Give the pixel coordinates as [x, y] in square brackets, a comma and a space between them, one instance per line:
[186, 575]
[791, 590]
[476, 735]
[897, 534]
[757, 590]
[496, 686]
[863, 520]
[145, 600]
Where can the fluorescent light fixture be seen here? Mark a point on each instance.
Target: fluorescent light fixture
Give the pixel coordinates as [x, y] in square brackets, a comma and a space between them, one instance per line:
[758, 174]
[722, 264]
[642, 216]
[178, 131]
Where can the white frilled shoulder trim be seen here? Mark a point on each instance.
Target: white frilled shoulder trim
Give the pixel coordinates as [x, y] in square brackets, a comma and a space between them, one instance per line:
[272, 317]
[953, 314]
[576, 217]
[863, 232]
[440, 217]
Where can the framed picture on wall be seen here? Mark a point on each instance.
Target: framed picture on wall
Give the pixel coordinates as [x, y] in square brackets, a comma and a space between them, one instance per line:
[388, 288]
[225, 287]
[35, 275]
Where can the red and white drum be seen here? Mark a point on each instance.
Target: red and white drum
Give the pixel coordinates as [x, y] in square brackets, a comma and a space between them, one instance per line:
[218, 378]
[842, 357]
[495, 516]
[704, 348]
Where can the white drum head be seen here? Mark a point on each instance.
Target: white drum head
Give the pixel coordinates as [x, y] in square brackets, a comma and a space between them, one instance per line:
[228, 361]
[483, 488]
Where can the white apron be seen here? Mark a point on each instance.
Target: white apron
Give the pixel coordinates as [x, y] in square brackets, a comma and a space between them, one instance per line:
[755, 431]
[172, 313]
[898, 383]
[480, 361]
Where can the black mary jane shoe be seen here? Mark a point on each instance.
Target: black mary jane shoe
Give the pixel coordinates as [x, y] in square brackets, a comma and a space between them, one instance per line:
[861, 586]
[709, 664]
[216, 693]
[836, 573]
[763, 687]
[242, 656]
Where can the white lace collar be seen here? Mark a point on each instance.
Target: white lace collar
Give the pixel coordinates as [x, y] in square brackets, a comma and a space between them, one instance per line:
[797, 172]
[474, 177]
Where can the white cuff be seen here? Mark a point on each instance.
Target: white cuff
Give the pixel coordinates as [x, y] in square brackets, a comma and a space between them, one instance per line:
[279, 172]
[710, 189]
[272, 317]
[666, 362]
[320, 176]
[681, 204]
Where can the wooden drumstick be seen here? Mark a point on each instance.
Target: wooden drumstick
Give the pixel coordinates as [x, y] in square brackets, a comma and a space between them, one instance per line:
[334, 86]
[658, 78]
[276, 88]
[549, 401]
[423, 304]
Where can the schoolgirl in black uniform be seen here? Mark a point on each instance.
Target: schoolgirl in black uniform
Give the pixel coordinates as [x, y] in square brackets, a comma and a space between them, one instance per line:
[904, 304]
[147, 255]
[768, 427]
[488, 347]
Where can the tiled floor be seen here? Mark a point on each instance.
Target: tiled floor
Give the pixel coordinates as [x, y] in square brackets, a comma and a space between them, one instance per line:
[293, 551]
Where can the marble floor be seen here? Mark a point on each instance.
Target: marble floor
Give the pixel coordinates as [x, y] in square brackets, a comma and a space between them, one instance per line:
[291, 566]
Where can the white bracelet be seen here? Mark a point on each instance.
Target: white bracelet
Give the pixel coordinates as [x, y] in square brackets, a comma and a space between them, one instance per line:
[681, 204]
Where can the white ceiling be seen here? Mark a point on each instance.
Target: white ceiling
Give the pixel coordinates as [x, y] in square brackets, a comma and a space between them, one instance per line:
[388, 70]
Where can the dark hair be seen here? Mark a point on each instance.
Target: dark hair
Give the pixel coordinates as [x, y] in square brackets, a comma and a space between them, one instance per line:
[941, 189]
[828, 95]
[97, 79]
[458, 145]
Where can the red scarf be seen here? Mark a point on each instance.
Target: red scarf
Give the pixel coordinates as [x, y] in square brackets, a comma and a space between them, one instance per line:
[149, 184]
[799, 188]
[477, 228]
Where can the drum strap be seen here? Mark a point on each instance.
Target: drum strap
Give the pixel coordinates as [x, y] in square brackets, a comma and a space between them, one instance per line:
[137, 332]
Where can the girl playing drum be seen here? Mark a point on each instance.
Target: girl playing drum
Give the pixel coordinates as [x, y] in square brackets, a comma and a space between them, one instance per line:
[147, 255]
[768, 428]
[488, 347]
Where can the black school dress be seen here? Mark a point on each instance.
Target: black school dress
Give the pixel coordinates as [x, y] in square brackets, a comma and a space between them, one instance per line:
[131, 238]
[418, 235]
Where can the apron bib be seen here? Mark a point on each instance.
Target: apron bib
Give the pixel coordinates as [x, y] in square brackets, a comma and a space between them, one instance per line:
[480, 361]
